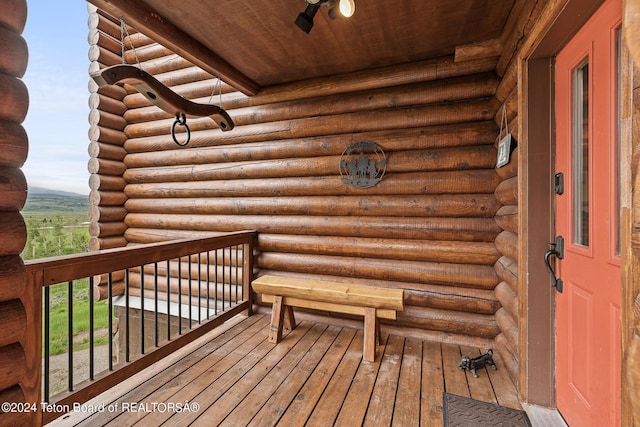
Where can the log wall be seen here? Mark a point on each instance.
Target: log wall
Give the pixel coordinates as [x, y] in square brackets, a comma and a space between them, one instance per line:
[18, 308]
[428, 227]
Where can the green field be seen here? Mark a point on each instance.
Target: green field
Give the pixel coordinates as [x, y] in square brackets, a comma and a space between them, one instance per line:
[59, 225]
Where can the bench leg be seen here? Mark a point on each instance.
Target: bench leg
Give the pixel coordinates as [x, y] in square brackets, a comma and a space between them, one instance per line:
[371, 333]
[277, 320]
[289, 318]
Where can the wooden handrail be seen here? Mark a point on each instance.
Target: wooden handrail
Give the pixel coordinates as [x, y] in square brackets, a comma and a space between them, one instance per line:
[72, 267]
[49, 271]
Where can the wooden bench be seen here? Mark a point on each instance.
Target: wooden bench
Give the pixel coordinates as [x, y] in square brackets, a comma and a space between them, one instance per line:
[372, 302]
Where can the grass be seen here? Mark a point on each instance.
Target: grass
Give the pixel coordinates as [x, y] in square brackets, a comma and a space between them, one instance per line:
[59, 317]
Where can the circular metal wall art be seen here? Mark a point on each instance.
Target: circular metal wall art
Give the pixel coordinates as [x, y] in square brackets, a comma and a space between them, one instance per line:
[362, 164]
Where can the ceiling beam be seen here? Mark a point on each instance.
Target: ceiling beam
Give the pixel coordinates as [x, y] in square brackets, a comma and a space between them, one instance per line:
[139, 15]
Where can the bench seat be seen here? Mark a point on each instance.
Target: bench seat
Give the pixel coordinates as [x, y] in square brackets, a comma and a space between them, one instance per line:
[372, 302]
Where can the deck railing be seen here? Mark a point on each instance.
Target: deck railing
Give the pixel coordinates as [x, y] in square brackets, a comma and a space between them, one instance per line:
[141, 303]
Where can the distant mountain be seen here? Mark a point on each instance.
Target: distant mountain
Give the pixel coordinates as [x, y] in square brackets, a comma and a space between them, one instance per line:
[38, 191]
[44, 200]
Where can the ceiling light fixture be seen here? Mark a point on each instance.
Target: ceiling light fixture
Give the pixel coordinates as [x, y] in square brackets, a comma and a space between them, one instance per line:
[304, 21]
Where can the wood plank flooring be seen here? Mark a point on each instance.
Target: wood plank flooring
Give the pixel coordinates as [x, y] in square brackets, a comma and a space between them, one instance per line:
[315, 377]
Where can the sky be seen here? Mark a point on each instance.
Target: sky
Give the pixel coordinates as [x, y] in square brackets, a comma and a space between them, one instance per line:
[57, 78]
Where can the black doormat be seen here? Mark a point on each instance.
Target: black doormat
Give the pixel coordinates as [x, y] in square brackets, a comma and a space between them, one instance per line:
[464, 412]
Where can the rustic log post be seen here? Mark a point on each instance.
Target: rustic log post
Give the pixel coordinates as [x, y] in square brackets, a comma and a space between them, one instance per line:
[19, 343]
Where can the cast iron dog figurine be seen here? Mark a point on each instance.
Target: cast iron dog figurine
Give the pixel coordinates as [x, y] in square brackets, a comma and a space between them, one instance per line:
[477, 362]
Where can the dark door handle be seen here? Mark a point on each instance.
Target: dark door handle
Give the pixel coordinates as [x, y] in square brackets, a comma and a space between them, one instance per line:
[558, 252]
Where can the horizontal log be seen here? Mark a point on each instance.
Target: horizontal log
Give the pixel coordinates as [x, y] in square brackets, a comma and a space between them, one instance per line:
[458, 89]
[109, 91]
[13, 16]
[13, 277]
[13, 319]
[456, 322]
[106, 120]
[107, 229]
[508, 358]
[12, 365]
[103, 56]
[106, 167]
[507, 271]
[14, 145]
[107, 136]
[508, 299]
[13, 189]
[138, 40]
[463, 158]
[105, 41]
[459, 229]
[455, 299]
[14, 53]
[96, 244]
[145, 53]
[507, 191]
[507, 244]
[510, 169]
[13, 395]
[410, 250]
[14, 233]
[366, 121]
[484, 49]
[104, 24]
[480, 182]
[466, 205]
[407, 73]
[507, 218]
[105, 103]
[106, 182]
[107, 213]
[101, 292]
[106, 151]
[421, 138]
[473, 276]
[107, 198]
[15, 99]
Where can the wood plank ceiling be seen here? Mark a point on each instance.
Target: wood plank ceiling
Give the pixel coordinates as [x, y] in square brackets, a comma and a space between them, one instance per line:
[254, 43]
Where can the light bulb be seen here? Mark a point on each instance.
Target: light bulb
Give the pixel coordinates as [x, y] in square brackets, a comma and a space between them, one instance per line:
[347, 7]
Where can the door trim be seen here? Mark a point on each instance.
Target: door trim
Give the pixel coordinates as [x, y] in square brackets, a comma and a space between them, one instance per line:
[536, 139]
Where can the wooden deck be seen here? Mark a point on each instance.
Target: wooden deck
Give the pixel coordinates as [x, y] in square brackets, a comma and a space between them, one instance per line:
[314, 377]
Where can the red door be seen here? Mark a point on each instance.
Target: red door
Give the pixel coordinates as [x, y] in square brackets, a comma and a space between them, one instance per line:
[588, 309]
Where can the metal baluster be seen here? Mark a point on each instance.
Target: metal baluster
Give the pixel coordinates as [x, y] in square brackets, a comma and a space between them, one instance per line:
[189, 291]
[110, 315]
[179, 296]
[236, 274]
[70, 334]
[155, 297]
[223, 274]
[215, 310]
[230, 276]
[168, 299]
[199, 289]
[208, 282]
[126, 317]
[142, 309]
[47, 338]
[91, 329]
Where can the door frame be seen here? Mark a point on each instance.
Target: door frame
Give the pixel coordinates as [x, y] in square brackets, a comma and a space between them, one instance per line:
[536, 138]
